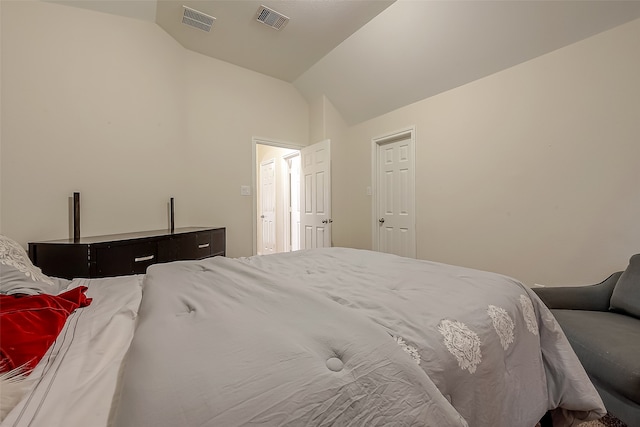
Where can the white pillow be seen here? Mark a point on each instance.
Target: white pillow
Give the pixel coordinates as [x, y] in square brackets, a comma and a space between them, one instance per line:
[18, 275]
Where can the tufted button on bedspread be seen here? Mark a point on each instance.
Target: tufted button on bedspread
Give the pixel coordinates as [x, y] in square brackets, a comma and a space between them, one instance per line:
[334, 364]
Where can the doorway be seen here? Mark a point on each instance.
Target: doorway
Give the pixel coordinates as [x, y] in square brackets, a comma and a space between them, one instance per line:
[277, 197]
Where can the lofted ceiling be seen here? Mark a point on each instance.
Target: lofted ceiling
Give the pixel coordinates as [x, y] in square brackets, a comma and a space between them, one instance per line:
[369, 57]
[314, 29]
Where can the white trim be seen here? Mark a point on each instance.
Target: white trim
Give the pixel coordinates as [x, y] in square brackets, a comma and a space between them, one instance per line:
[376, 142]
[274, 143]
[287, 198]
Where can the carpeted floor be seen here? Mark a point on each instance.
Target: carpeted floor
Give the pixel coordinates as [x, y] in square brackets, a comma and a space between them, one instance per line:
[606, 421]
[610, 421]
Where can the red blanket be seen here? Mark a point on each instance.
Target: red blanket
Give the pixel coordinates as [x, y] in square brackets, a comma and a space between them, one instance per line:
[29, 324]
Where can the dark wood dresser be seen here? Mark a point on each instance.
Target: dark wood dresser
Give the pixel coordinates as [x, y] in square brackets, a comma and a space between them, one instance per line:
[123, 254]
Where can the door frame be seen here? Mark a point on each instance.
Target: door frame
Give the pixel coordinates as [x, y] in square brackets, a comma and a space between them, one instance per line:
[402, 134]
[287, 204]
[254, 194]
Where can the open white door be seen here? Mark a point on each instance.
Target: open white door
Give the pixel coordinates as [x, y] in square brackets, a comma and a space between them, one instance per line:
[315, 196]
[267, 208]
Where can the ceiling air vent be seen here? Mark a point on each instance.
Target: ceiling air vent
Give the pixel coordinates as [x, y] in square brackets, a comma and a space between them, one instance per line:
[199, 20]
[271, 18]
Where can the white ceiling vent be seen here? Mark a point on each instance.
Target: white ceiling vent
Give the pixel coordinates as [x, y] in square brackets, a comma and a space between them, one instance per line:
[196, 19]
[271, 18]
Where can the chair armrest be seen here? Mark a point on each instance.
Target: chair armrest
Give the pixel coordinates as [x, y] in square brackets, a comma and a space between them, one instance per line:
[592, 297]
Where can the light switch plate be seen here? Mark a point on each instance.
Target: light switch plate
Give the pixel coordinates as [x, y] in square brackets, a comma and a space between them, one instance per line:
[245, 190]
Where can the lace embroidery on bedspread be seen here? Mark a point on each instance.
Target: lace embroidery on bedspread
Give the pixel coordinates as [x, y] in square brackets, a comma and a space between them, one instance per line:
[413, 352]
[13, 255]
[503, 324]
[529, 314]
[462, 342]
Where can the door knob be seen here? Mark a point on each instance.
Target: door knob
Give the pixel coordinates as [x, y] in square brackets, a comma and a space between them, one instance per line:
[381, 220]
[327, 221]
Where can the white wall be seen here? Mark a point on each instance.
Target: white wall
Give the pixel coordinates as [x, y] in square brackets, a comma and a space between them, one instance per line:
[335, 130]
[325, 122]
[227, 107]
[531, 172]
[90, 104]
[116, 109]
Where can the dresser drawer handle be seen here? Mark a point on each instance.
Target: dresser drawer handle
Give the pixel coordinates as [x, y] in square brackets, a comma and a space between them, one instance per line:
[204, 245]
[144, 258]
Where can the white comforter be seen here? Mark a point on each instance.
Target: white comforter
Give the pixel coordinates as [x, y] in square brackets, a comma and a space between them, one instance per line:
[346, 337]
[323, 337]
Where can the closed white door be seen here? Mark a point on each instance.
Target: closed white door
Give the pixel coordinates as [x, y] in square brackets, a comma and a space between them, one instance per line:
[315, 196]
[267, 207]
[395, 196]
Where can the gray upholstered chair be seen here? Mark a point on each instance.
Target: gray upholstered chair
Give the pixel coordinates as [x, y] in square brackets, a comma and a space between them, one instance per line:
[602, 323]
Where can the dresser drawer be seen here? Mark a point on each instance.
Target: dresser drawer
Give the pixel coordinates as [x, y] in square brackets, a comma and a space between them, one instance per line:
[59, 260]
[185, 246]
[127, 258]
[198, 246]
[203, 245]
[218, 242]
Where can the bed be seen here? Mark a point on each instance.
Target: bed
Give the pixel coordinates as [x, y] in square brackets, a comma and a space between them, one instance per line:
[323, 337]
